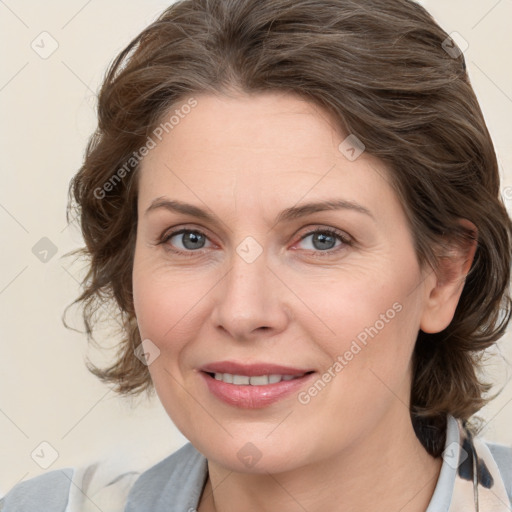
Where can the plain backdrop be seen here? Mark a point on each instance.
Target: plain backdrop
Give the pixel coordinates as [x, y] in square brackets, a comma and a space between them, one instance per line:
[54, 55]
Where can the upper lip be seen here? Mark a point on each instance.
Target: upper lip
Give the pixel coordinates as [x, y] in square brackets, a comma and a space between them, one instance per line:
[253, 369]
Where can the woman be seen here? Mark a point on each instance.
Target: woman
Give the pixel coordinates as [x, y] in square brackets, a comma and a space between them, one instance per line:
[295, 206]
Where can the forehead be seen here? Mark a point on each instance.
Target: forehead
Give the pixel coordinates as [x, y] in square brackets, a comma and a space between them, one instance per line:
[258, 149]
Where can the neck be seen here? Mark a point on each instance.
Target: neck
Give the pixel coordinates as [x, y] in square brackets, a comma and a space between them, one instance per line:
[388, 470]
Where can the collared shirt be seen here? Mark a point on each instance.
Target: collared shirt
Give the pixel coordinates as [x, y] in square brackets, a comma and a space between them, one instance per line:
[176, 483]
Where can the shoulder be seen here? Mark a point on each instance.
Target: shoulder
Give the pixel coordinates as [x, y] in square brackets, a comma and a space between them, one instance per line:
[493, 460]
[502, 455]
[50, 490]
[94, 485]
[102, 486]
[177, 480]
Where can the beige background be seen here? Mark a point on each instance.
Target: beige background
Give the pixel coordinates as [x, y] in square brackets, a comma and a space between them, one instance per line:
[47, 104]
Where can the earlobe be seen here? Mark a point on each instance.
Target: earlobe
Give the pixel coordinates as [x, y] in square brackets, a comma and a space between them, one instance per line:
[444, 286]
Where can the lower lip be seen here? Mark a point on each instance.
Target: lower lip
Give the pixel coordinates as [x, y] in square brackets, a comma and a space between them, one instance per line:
[253, 397]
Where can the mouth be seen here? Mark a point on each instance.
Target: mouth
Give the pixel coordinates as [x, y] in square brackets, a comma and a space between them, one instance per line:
[253, 386]
[255, 380]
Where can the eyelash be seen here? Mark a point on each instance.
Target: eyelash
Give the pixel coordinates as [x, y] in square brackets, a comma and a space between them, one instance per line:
[340, 235]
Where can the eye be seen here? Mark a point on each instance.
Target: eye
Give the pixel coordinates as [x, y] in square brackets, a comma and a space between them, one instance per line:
[325, 240]
[185, 240]
[191, 241]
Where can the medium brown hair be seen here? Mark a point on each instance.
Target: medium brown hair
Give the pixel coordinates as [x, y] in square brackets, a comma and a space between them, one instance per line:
[381, 69]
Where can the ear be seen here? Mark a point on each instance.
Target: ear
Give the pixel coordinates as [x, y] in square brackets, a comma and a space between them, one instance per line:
[444, 286]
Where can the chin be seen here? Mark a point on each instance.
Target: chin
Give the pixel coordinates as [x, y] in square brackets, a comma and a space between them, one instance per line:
[255, 454]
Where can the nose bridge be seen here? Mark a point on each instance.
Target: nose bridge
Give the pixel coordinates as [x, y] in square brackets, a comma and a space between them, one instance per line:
[247, 300]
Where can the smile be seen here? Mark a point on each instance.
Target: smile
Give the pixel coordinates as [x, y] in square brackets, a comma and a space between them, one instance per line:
[257, 380]
[253, 386]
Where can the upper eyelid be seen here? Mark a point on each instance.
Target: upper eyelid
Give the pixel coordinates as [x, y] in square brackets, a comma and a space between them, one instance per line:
[169, 233]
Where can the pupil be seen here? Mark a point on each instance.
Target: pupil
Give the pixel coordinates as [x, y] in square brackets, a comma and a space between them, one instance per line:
[323, 239]
[191, 238]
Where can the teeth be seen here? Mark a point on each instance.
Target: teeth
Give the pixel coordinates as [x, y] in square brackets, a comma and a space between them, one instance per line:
[240, 379]
[257, 380]
[260, 380]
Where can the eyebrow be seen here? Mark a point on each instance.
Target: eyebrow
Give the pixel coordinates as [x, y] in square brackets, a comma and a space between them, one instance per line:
[287, 215]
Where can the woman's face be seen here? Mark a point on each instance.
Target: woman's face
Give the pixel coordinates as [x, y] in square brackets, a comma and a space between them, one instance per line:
[230, 278]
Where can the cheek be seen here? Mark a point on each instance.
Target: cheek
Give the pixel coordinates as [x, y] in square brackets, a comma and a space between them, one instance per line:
[161, 301]
[165, 315]
[355, 309]
[368, 330]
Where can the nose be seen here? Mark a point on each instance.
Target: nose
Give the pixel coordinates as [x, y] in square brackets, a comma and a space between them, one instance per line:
[250, 301]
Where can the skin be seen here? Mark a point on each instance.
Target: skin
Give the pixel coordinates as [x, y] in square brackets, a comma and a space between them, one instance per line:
[245, 159]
